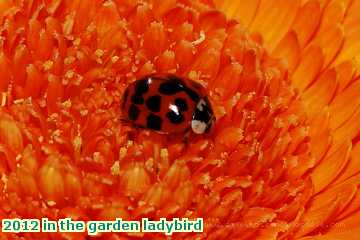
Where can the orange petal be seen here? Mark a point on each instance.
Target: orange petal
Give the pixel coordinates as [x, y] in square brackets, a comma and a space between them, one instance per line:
[330, 40]
[166, 62]
[308, 69]
[68, 25]
[10, 134]
[320, 137]
[105, 18]
[4, 6]
[230, 136]
[331, 166]
[257, 215]
[13, 184]
[343, 192]
[233, 45]
[126, 4]
[273, 20]
[33, 31]
[5, 74]
[228, 80]
[348, 229]
[177, 173]
[318, 95]
[142, 17]
[157, 195]
[79, 13]
[160, 7]
[184, 31]
[212, 200]
[208, 61]
[51, 180]
[113, 212]
[315, 217]
[20, 61]
[146, 69]
[353, 166]
[353, 11]
[135, 180]
[27, 183]
[289, 49]
[114, 38]
[307, 21]
[8, 158]
[184, 53]
[72, 185]
[91, 76]
[355, 203]
[155, 39]
[350, 129]
[230, 206]
[272, 231]
[29, 160]
[212, 20]
[221, 233]
[302, 164]
[45, 45]
[53, 25]
[250, 66]
[345, 72]
[243, 11]
[295, 209]
[54, 93]
[183, 194]
[34, 83]
[333, 14]
[351, 46]
[340, 110]
[52, 5]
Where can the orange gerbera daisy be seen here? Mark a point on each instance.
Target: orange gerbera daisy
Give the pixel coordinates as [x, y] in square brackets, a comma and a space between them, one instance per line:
[281, 163]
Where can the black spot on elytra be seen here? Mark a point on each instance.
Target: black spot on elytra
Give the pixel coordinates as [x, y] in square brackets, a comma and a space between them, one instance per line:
[125, 98]
[170, 87]
[181, 104]
[141, 86]
[175, 118]
[154, 103]
[174, 78]
[153, 122]
[137, 99]
[133, 112]
[192, 94]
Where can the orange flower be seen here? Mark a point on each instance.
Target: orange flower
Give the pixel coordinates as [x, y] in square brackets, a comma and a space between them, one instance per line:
[281, 163]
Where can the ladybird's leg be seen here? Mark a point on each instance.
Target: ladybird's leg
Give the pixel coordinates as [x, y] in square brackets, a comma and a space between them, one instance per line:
[126, 122]
[123, 120]
[135, 131]
[186, 137]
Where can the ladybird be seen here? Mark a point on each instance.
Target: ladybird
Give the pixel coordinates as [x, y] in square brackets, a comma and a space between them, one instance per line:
[167, 104]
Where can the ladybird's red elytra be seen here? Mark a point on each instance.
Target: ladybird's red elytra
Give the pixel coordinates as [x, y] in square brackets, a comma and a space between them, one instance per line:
[167, 103]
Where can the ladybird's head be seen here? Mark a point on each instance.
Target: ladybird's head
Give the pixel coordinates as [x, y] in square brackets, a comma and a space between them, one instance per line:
[203, 117]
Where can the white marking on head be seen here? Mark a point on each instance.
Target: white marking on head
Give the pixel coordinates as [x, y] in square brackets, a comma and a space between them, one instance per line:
[201, 105]
[198, 127]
